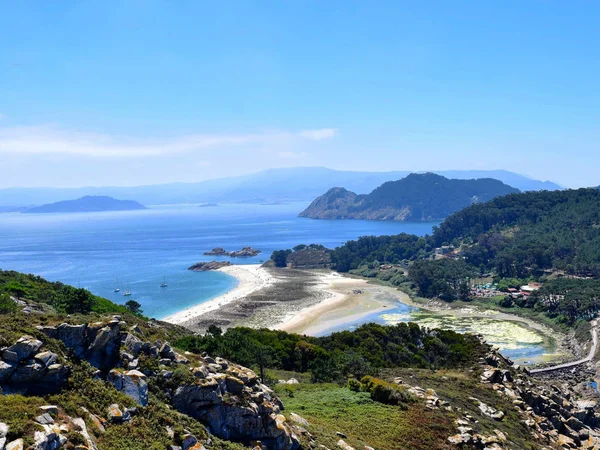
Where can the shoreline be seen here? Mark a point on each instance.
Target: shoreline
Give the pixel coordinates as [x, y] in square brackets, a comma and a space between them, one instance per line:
[343, 306]
[316, 302]
[249, 277]
[553, 338]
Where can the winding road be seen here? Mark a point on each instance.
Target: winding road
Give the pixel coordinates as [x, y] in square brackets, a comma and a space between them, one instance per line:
[589, 357]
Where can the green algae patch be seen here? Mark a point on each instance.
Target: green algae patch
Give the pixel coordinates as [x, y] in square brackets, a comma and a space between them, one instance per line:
[508, 336]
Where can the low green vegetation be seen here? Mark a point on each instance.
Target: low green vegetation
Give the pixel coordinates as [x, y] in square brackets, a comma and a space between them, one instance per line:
[459, 388]
[336, 357]
[331, 409]
[61, 297]
[313, 255]
[389, 274]
[382, 391]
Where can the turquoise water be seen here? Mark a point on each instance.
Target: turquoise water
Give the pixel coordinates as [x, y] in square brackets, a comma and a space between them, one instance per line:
[135, 250]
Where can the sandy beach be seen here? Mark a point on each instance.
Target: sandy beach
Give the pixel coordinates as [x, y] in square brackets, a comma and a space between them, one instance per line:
[349, 300]
[250, 278]
[299, 301]
[315, 302]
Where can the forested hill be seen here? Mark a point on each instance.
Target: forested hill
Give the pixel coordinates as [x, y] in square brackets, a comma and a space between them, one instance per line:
[521, 233]
[515, 236]
[418, 197]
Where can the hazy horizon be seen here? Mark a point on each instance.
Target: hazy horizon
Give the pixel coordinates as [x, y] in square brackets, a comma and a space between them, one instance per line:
[164, 92]
[253, 173]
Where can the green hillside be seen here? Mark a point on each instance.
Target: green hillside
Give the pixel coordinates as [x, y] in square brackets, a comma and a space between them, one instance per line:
[418, 197]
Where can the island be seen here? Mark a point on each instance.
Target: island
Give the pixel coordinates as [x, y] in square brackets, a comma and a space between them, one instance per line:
[208, 205]
[89, 203]
[210, 265]
[243, 253]
[418, 198]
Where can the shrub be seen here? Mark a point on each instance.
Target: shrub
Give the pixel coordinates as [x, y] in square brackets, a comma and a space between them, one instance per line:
[384, 392]
[354, 385]
[7, 305]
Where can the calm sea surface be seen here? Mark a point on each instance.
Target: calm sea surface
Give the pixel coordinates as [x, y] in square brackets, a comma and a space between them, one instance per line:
[137, 250]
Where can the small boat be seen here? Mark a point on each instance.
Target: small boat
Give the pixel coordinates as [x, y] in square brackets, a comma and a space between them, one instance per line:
[126, 293]
[164, 283]
[117, 290]
[117, 283]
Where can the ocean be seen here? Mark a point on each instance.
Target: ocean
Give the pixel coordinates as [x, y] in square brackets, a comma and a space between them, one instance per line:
[137, 250]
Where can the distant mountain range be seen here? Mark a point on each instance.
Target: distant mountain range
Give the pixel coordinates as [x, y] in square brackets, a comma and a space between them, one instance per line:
[267, 186]
[417, 197]
[89, 203]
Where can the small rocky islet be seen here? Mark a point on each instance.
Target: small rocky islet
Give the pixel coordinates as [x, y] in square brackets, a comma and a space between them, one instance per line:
[245, 252]
[209, 265]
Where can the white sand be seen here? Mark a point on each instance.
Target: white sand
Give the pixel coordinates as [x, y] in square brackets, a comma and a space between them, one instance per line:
[298, 320]
[250, 278]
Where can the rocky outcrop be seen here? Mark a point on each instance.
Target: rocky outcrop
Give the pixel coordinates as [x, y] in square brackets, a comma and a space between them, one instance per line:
[26, 369]
[233, 404]
[227, 398]
[243, 253]
[99, 343]
[210, 265]
[132, 383]
[550, 410]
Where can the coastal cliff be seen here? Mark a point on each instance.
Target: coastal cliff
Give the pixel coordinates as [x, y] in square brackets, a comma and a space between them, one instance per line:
[418, 197]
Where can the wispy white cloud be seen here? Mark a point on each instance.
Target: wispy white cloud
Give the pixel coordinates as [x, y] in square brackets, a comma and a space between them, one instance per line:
[318, 135]
[53, 140]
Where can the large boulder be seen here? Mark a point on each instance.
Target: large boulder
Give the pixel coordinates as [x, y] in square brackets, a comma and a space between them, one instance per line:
[103, 352]
[132, 344]
[6, 370]
[24, 348]
[17, 444]
[73, 336]
[3, 433]
[132, 383]
[28, 372]
[46, 358]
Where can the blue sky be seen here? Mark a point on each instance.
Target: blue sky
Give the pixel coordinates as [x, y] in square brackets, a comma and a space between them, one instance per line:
[126, 93]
